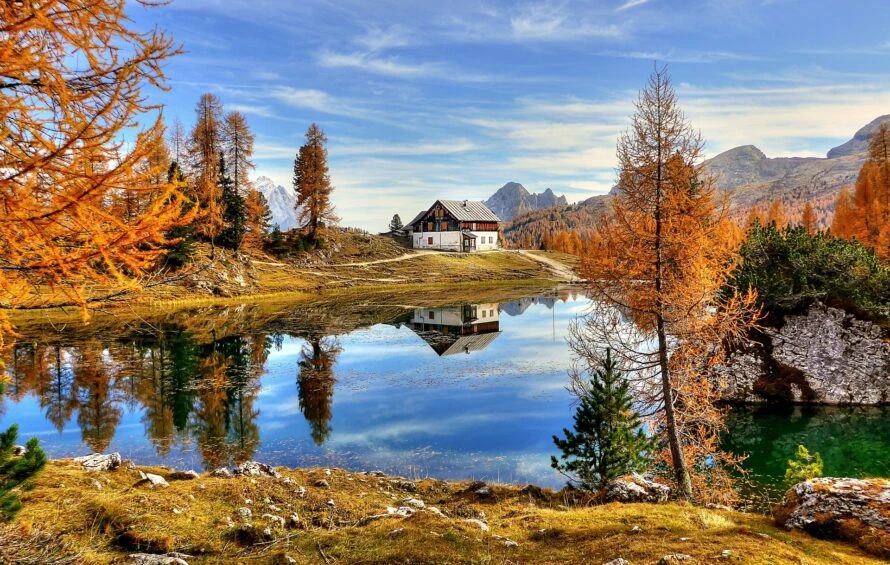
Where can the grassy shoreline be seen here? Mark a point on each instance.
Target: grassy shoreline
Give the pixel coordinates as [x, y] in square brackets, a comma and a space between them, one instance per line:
[338, 516]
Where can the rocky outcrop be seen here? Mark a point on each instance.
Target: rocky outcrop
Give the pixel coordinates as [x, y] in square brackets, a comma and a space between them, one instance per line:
[513, 199]
[825, 356]
[854, 510]
[100, 462]
[636, 488]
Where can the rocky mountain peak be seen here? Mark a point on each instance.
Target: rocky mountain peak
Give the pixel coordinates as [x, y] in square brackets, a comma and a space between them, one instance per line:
[513, 199]
[859, 143]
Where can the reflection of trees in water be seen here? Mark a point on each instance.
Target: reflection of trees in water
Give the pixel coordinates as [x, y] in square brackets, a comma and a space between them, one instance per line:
[315, 384]
[184, 389]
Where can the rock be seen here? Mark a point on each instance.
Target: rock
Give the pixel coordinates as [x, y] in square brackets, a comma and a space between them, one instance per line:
[684, 539]
[402, 484]
[636, 488]
[300, 491]
[273, 508]
[416, 503]
[475, 485]
[277, 521]
[18, 450]
[331, 502]
[221, 473]
[482, 525]
[248, 534]
[619, 561]
[436, 511]
[674, 558]
[289, 560]
[636, 530]
[483, 492]
[824, 356]
[726, 554]
[183, 475]
[255, 469]
[510, 543]
[153, 480]
[152, 559]
[396, 533]
[378, 474]
[533, 491]
[96, 484]
[712, 506]
[321, 483]
[100, 462]
[293, 521]
[840, 508]
[403, 511]
[244, 513]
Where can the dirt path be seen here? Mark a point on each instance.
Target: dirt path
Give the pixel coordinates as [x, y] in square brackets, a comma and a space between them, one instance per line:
[555, 267]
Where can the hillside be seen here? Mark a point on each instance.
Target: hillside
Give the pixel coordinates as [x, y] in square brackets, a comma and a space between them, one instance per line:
[513, 200]
[336, 516]
[750, 177]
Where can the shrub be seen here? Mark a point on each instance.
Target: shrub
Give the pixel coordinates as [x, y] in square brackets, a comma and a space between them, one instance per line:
[16, 471]
[608, 440]
[803, 466]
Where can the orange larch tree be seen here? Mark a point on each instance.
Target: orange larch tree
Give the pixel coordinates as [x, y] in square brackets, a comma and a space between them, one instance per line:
[776, 214]
[312, 183]
[656, 266]
[808, 219]
[63, 156]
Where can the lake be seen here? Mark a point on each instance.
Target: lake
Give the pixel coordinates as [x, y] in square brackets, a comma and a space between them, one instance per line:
[468, 388]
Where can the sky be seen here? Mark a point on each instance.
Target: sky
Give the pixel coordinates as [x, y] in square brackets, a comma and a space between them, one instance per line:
[426, 100]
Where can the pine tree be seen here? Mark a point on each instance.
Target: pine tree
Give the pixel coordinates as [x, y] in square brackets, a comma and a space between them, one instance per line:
[181, 246]
[205, 146]
[396, 223]
[233, 210]
[239, 151]
[258, 217]
[608, 439]
[15, 471]
[312, 183]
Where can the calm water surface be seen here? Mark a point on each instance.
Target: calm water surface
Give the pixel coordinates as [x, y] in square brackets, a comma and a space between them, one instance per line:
[471, 390]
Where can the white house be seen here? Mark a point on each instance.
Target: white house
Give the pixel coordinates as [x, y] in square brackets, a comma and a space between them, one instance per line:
[455, 225]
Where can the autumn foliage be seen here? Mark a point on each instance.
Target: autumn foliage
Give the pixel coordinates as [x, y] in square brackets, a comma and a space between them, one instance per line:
[864, 214]
[79, 204]
[656, 266]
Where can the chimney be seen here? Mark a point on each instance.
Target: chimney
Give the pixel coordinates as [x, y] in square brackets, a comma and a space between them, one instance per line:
[465, 203]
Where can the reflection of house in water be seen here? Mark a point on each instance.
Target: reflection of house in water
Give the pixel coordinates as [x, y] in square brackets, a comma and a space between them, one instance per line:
[457, 329]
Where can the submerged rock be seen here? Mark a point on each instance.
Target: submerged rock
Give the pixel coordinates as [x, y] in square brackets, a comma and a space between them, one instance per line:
[100, 462]
[636, 488]
[855, 510]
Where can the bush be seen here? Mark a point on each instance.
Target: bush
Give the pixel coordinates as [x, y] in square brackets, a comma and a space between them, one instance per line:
[804, 466]
[16, 471]
[790, 269]
[608, 440]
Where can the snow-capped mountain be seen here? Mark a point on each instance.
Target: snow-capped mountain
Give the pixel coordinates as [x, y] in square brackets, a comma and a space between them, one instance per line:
[281, 202]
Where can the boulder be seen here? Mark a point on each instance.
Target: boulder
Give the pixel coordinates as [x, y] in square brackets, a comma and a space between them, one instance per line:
[153, 559]
[153, 480]
[855, 510]
[636, 488]
[674, 558]
[100, 462]
[221, 473]
[183, 475]
[255, 469]
[479, 523]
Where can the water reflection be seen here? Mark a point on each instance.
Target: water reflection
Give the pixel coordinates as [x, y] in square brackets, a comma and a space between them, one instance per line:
[458, 329]
[315, 384]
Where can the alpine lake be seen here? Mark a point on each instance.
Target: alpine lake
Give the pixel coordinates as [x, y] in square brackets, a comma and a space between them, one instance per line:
[468, 386]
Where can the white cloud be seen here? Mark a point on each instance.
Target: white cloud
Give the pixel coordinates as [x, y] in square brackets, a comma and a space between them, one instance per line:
[552, 22]
[631, 4]
[674, 56]
[378, 39]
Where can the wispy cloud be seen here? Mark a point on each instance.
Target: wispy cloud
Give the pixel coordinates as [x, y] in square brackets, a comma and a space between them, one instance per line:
[674, 56]
[631, 4]
[397, 67]
[553, 22]
[380, 39]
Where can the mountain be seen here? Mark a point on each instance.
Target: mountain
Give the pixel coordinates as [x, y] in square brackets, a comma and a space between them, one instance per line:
[513, 199]
[749, 177]
[753, 179]
[281, 202]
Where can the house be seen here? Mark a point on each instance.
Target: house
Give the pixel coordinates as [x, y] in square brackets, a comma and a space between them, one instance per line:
[457, 329]
[455, 225]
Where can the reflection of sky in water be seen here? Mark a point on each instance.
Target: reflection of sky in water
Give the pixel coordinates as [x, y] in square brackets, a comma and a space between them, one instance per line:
[397, 406]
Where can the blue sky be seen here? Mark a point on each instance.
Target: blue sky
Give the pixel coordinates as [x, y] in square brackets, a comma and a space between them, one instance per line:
[425, 100]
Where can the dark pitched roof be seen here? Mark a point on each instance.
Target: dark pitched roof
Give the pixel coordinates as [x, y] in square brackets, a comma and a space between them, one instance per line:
[416, 218]
[469, 211]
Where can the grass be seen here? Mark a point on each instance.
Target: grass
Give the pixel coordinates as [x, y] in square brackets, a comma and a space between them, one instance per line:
[194, 517]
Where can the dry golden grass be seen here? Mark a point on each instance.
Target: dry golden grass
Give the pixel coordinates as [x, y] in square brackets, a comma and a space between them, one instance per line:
[193, 517]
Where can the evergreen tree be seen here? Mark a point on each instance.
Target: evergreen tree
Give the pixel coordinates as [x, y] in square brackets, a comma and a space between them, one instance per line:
[608, 440]
[803, 467]
[312, 183]
[182, 247]
[234, 213]
[257, 220]
[396, 223]
[15, 471]
[205, 145]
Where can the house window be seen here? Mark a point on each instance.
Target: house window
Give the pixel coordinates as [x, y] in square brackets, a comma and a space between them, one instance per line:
[429, 227]
[483, 313]
[491, 312]
[429, 240]
[432, 315]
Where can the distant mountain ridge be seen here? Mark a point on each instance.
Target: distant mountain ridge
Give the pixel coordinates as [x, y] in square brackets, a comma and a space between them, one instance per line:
[513, 199]
[749, 177]
[281, 202]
